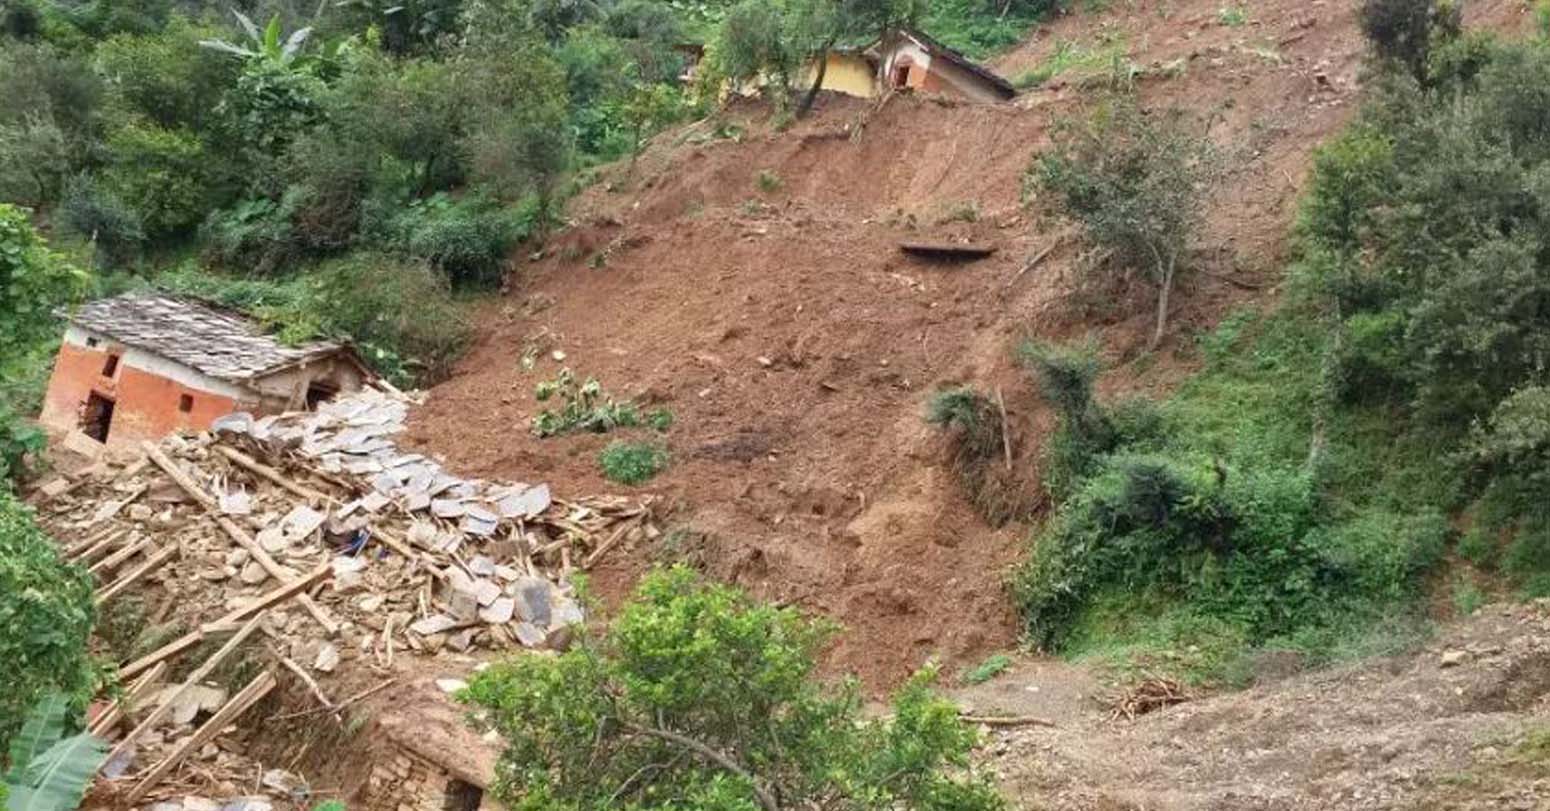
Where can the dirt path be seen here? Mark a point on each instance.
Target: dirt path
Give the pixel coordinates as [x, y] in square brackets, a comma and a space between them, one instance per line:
[1441, 728]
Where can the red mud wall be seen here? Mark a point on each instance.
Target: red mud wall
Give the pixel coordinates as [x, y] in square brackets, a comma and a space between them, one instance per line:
[146, 405]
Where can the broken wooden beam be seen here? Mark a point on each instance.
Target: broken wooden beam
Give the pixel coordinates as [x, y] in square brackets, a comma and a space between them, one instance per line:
[161, 654]
[130, 579]
[252, 465]
[194, 678]
[244, 540]
[292, 588]
[112, 561]
[239, 704]
[96, 544]
[948, 251]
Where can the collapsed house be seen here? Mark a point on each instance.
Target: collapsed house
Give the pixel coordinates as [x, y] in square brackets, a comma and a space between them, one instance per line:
[273, 577]
[906, 59]
[143, 365]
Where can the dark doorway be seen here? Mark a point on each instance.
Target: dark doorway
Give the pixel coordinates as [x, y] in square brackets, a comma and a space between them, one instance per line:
[901, 76]
[97, 417]
[319, 391]
[462, 796]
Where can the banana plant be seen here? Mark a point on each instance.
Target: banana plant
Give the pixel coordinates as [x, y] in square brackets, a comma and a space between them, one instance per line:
[50, 769]
[266, 44]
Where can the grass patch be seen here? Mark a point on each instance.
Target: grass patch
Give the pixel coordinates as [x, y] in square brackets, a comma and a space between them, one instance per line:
[632, 463]
[1072, 57]
[769, 182]
[993, 666]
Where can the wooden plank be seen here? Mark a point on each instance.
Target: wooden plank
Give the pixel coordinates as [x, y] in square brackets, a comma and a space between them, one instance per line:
[243, 539]
[130, 579]
[194, 678]
[239, 704]
[112, 561]
[284, 592]
[131, 697]
[95, 548]
[254, 466]
[160, 655]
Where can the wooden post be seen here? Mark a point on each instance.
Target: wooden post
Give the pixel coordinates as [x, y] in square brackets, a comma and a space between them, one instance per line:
[244, 540]
[193, 678]
[240, 703]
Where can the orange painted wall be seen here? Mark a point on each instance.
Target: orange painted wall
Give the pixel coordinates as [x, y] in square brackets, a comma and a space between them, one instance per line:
[145, 405]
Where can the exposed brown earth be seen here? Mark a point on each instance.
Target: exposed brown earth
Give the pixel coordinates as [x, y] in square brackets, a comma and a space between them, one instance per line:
[796, 345]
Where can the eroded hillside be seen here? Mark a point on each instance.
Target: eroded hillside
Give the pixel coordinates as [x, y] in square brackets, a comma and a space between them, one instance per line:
[753, 285]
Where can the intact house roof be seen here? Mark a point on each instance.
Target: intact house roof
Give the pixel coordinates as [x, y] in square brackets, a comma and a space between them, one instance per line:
[208, 339]
[1001, 85]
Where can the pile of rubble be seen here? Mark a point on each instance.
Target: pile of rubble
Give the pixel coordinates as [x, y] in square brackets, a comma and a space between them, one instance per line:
[316, 530]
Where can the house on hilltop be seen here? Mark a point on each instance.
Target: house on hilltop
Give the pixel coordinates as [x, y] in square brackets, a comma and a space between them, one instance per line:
[142, 365]
[908, 59]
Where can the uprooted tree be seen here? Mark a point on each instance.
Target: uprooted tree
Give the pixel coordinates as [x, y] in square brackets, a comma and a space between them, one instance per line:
[1135, 182]
[698, 697]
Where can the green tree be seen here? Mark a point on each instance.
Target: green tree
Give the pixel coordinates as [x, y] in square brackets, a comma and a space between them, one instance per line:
[698, 697]
[1136, 184]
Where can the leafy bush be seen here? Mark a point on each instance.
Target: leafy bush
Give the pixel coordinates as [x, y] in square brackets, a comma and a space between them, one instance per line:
[714, 696]
[467, 239]
[165, 76]
[585, 408]
[395, 310]
[97, 214]
[46, 609]
[1135, 183]
[632, 462]
[159, 174]
[255, 235]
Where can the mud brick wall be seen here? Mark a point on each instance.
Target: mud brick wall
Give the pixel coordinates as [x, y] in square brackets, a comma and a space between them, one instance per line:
[407, 782]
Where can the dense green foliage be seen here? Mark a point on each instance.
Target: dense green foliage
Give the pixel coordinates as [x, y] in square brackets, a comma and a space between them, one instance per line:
[1298, 491]
[697, 697]
[46, 611]
[33, 282]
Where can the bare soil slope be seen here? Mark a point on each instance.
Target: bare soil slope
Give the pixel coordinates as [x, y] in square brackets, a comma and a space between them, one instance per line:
[796, 345]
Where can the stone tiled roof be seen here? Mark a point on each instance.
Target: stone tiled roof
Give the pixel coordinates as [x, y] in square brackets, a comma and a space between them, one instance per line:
[216, 342]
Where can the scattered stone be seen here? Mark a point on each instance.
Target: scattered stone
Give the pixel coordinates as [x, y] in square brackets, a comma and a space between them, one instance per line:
[498, 612]
[1453, 658]
[450, 686]
[533, 600]
[530, 635]
[253, 573]
[434, 624]
[327, 658]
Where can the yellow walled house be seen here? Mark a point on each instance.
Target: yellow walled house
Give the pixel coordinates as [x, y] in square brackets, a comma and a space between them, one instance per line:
[851, 72]
[908, 59]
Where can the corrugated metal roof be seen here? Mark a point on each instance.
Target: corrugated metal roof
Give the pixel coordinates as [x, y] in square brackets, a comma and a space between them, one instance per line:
[216, 342]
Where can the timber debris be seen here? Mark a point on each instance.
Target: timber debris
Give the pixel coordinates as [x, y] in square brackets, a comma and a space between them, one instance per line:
[307, 550]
